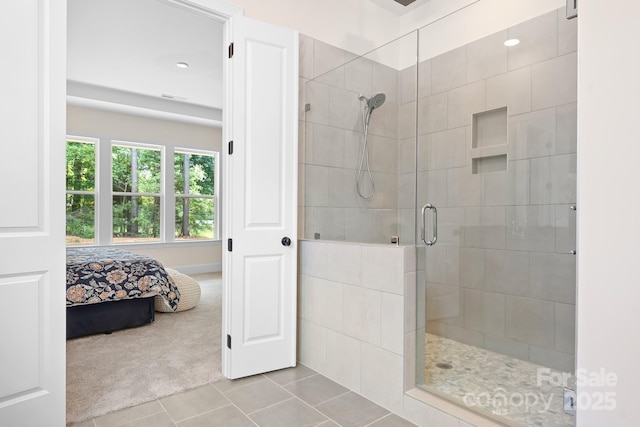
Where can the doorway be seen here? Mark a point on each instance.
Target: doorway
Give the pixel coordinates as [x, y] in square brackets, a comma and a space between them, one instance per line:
[149, 74]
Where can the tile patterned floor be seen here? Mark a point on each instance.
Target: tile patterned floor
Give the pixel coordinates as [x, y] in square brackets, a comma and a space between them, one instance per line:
[502, 385]
[288, 398]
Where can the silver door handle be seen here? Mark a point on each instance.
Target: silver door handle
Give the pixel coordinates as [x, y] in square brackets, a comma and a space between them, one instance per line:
[435, 225]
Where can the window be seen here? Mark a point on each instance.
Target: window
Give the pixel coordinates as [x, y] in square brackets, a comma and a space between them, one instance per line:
[194, 185]
[138, 198]
[136, 176]
[81, 191]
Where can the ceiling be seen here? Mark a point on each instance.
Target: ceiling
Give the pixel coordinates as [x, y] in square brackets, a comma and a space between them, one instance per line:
[124, 53]
[122, 56]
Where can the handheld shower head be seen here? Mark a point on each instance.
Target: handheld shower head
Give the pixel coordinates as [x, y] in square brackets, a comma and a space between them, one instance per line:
[376, 101]
[371, 104]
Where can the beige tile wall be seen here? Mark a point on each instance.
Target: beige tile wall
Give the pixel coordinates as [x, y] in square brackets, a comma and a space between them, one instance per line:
[501, 276]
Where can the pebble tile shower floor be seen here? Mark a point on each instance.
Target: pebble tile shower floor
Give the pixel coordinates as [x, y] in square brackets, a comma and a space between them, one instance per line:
[499, 384]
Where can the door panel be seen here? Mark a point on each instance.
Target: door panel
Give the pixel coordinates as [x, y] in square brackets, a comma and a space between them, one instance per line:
[32, 281]
[260, 200]
[263, 298]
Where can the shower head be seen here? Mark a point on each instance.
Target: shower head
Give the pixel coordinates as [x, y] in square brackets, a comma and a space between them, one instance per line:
[376, 101]
[371, 104]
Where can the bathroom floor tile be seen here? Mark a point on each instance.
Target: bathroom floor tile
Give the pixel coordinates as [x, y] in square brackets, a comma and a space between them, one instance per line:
[223, 417]
[258, 395]
[157, 420]
[193, 402]
[117, 418]
[287, 398]
[289, 375]
[316, 389]
[392, 420]
[290, 413]
[352, 410]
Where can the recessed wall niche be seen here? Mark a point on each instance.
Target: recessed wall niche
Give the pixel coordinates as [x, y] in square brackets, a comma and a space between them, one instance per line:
[489, 141]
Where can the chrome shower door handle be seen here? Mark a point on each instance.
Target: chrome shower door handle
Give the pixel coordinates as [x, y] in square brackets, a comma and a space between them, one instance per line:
[435, 225]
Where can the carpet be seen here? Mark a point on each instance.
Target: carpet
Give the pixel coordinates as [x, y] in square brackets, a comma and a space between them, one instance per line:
[177, 352]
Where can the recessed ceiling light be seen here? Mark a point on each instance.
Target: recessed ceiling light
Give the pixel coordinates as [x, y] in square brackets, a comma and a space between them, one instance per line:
[512, 42]
[182, 65]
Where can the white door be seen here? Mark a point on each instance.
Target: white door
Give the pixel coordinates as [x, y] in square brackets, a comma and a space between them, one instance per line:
[32, 243]
[260, 200]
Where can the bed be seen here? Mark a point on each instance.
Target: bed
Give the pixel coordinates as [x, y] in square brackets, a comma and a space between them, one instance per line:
[109, 289]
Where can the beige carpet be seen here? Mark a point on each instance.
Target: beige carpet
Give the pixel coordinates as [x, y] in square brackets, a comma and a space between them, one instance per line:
[177, 352]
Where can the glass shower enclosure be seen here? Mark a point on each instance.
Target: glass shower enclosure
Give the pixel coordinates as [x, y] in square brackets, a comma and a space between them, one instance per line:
[467, 154]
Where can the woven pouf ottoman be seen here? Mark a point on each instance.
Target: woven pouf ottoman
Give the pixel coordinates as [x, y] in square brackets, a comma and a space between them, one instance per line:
[189, 289]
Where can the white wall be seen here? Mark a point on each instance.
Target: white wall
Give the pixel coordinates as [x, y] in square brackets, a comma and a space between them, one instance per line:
[355, 25]
[608, 204]
[83, 121]
[188, 257]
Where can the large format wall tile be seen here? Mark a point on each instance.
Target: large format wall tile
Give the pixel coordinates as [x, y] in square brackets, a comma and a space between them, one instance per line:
[464, 102]
[507, 272]
[449, 70]
[487, 57]
[554, 82]
[484, 312]
[566, 128]
[362, 314]
[531, 321]
[359, 76]
[532, 228]
[343, 360]
[512, 89]
[553, 277]
[538, 41]
[532, 134]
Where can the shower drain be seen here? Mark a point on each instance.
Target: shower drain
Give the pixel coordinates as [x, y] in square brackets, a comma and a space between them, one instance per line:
[444, 365]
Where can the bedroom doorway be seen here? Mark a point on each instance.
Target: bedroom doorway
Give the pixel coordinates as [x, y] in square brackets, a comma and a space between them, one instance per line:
[111, 113]
[32, 233]
[158, 106]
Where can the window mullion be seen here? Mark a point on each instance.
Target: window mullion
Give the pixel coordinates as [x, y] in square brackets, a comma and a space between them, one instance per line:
[104, 199]
[169, 200]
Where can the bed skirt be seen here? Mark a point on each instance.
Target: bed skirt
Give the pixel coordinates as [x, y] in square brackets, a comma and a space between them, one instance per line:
[109, 316]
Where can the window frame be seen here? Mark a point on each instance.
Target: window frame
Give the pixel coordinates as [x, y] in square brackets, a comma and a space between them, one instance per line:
[103, 191]
[215, 197]
[161, 195]
[96, 185]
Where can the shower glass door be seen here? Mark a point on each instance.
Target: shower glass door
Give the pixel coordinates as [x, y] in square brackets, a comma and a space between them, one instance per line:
[496, 157]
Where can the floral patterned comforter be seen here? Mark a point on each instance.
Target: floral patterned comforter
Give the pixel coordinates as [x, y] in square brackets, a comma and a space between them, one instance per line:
[97, 275]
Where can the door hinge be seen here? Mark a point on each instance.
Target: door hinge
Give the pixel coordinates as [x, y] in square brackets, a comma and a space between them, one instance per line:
[230, 245]
[230, 147]
[229, 341]
[231, 50]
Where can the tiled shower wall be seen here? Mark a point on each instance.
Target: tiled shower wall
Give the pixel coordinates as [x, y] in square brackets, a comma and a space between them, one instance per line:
[352, 315]
[501, 276]
[356, 325]
[331, 82]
